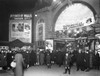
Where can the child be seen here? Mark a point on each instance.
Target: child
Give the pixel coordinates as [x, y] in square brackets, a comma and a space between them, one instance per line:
[67, 63]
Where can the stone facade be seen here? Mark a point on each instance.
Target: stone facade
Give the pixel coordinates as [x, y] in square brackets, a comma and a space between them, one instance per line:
[50, 14]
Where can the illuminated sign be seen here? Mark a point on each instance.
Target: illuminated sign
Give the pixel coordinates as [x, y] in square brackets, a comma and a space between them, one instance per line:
[20, 16]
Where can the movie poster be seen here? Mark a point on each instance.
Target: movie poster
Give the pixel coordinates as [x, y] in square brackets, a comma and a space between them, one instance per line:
[20, 27]
[49, 44]
[40, 30]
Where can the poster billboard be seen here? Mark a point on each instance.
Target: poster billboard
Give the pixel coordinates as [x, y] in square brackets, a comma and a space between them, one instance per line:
[40, 30]
[20, 27]
[49, 44]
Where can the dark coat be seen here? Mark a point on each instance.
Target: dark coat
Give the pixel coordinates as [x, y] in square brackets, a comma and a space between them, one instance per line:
[48, 58]
[80, 59]
[52, 56]
[33, 58]
[9, 58]
[59, 57]
[2, 60]
[87, 60]
[67, 61]
[26, 58]
[96, 60]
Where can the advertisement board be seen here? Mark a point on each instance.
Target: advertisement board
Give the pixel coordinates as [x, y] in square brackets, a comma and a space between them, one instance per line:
[20, 27]
[49, 44]
[40, 30]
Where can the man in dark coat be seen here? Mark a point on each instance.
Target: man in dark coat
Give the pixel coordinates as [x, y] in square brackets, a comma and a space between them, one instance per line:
[59, 57]
[53, 57]
[9, 59]
[80, 60]
[48, 59]
[87, 60]
[26, 58]
[96, 60]
[33, 58]
[3, 62]
[74, 56]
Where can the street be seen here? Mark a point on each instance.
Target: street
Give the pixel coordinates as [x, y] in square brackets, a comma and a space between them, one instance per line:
[53, 71]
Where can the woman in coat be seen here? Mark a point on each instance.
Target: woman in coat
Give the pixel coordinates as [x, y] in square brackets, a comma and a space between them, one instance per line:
[19, 71]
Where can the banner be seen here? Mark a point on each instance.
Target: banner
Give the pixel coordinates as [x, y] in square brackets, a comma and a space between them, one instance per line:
[20, 28]
[82, 23]
[40, 30]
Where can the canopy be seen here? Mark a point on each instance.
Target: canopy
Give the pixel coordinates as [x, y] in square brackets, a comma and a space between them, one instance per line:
[16, 43]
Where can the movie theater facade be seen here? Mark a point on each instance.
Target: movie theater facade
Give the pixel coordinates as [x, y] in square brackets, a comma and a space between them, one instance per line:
[63, 23]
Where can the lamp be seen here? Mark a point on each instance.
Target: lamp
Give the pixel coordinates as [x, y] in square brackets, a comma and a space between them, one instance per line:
[54, 0]
[35, 15]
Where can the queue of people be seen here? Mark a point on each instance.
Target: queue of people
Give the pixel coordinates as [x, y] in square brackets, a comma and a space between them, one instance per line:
[85, 60]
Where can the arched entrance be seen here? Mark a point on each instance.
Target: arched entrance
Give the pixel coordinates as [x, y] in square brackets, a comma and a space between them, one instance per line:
[63, 7]
[73, 19]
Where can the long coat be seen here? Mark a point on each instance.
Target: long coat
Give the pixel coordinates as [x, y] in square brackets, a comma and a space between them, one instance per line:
[41, 58]
[59, 58]
[9, 59]
[67, 61]
[87, 60]
[96, 60]
[19, 65]
[48, 58]
[32, 59]
[80, 60]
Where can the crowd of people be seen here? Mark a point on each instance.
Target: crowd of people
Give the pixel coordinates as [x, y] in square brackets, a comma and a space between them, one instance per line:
[84, 60]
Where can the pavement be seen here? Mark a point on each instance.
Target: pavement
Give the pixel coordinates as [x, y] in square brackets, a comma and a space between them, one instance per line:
[53, 71]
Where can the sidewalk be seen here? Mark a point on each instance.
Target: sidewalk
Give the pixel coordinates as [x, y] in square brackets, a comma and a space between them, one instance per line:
[54, 71]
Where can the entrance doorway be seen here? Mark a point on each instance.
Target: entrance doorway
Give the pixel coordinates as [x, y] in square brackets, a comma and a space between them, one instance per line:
[74, 21]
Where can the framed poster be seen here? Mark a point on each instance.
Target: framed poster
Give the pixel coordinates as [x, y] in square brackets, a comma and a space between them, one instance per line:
[20, 28]
[49, 44]
[40, 30]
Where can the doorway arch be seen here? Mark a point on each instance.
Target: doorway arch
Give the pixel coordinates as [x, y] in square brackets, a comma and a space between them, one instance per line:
[61, 9]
